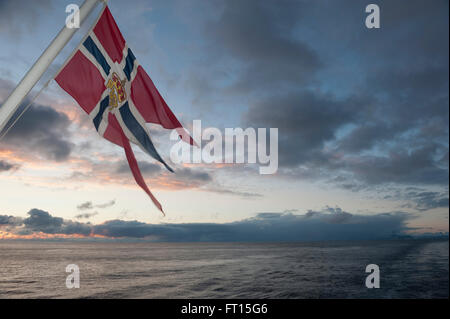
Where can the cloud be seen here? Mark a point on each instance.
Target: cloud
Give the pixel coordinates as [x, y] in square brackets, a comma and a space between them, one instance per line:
[184, 178]
[86, 215]
[145, 167]
[306, 121]
[427, 200]
[188, 174]
[324, 135]
[111, 170]
[89, 205]
[224, 191]
[42, 221]
[85, 206]
[267, 227]
[42, 131]
[6, 166]
[370, 106]
[402, 166]
[6, 220]
[250, 47]
[119, 172]
[364, 137]
[328, 224]
[258, 35]
[107, 204]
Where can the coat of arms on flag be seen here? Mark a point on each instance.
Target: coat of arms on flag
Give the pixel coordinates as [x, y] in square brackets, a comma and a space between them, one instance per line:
[108, 83]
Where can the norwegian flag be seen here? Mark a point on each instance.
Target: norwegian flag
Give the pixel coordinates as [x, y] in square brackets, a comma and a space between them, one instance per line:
[106, 80]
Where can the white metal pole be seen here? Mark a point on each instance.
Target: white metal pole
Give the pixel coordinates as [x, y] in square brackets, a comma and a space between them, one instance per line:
[40, 66]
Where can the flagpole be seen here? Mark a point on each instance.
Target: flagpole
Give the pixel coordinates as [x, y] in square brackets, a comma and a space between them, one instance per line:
[12, 103]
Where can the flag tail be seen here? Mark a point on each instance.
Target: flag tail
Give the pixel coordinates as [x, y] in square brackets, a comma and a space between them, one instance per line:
[132, 162]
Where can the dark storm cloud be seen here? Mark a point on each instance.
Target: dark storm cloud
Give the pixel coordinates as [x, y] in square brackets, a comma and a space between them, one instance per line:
[422, 27]
[305, 121]
[257, 34]
[403, 167]
[44, 131]
[412, 112]
[364, 137]
[390, 122]
[251, 48]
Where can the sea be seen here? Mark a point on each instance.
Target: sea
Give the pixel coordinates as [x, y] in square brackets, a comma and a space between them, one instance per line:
[408, 268]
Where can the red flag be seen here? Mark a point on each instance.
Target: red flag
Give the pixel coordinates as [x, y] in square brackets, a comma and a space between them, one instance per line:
[106, 80]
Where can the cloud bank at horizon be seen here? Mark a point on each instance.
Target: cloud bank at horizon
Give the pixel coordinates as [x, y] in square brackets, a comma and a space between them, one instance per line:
[328, 224]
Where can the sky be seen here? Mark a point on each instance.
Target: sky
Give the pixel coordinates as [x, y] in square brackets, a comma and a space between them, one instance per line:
[362, 117]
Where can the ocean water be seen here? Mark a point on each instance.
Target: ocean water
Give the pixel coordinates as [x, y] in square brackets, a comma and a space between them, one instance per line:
[408, 269]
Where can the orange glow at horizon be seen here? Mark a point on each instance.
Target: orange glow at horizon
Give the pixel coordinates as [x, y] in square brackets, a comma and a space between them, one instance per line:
[41, 235]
